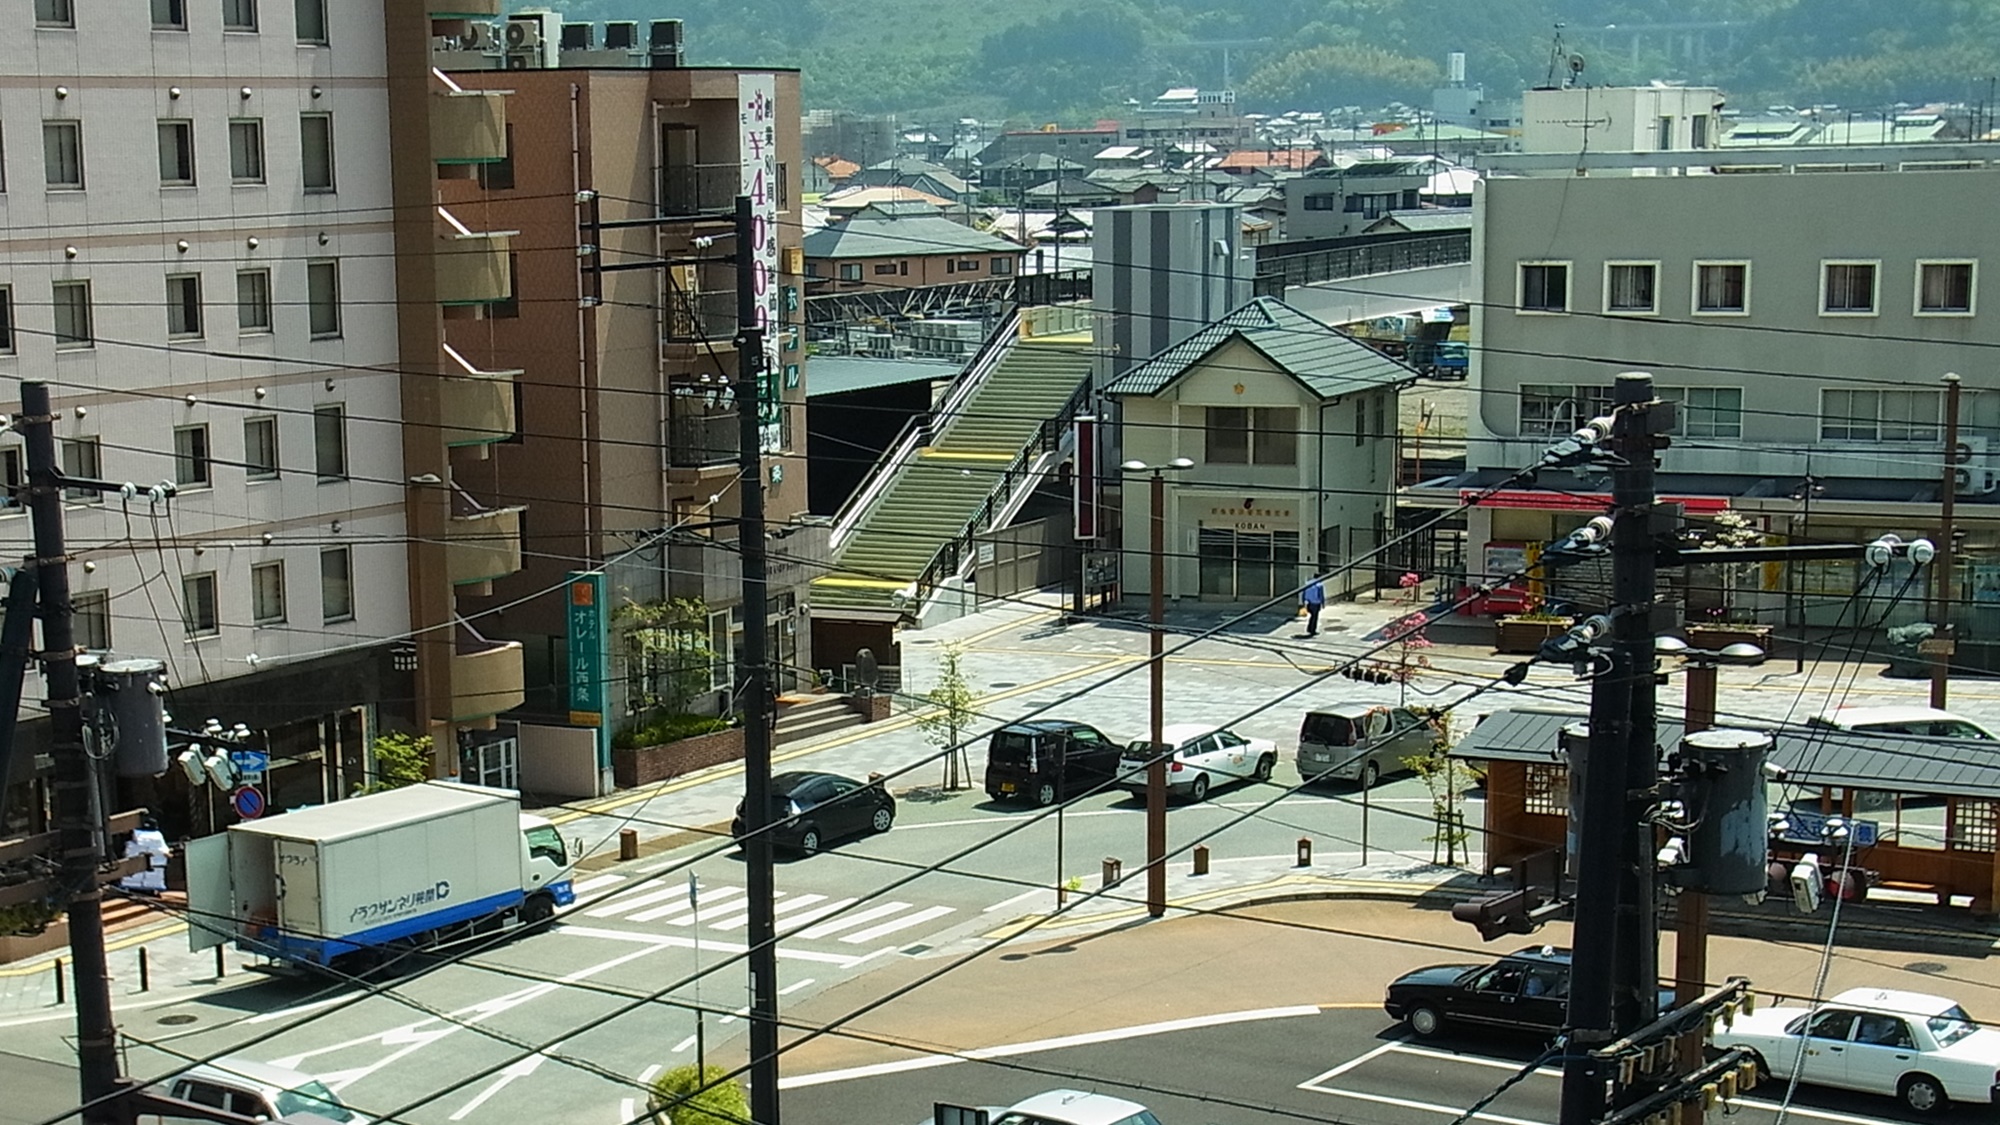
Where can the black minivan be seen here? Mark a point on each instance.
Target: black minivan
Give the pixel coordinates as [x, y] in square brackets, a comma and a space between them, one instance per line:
[1046, 760]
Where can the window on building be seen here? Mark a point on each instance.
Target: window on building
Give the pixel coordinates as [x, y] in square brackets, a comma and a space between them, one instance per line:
[1227, 433]
[12, 478]
[1003, 267]
[812, 269]
[1631, 287]
[968, 265]
[1666, 134]
[850, 271]
[72, 308]
[1847, 289]
[6, 320]
[198, 611]
[170, 15]
[184, 305]
[309, 17]
[191, 462]
[1907, 416]
[54, 13]
[1360, 422]
[260, 448]
[883, 269]
[82, 458]
[336, 584]
[498, 175]
[1721, 288]
[721, 670]
[90, 617]
[316, 150]
[1241, 435]
[1945, 288]
[239, 15]
[62, 154]
[246, 150]
[253, 302]
[951, 265]
[323, 298]
[1550, 409]
[1544, 287]
[1322, 201]
[1707, 412]
[509, 307]
[267, 593]
[330, 441]
[1698, 131]
[176, 153]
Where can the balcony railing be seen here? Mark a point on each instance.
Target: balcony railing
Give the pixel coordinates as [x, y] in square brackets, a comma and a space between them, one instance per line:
[486, 676]
[700, 435]
[483, 545]
[472, 265]
[700, 189]
[476, 408]
[692, 318]
[467, 126]
[1282, 265]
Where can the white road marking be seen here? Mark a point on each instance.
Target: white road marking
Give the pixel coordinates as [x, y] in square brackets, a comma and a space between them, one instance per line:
[710, 895]
[584, 886]
[657, 941]
[623, 903]
[679, 1047]
[624, 1110]
[795, 902]
[828, 929]
[926, 1062]
[863, 937]
[1473, 1060]
[794, 987]
[297, 1009]
[649, 1073]
[833, 907]
[1313, 1082]
[729, 917]
[520, 1068]
[1022, 897]
[1407, 1103]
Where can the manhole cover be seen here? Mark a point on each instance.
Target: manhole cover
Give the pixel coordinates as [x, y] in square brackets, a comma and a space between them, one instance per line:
[1925, 967]
[176, 1021]
[997, 684]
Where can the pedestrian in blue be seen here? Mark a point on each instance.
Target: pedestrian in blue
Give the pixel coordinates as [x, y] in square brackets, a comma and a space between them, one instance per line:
[1313, 597]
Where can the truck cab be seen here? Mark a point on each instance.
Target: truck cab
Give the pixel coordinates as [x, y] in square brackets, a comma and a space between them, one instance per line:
[544, 869]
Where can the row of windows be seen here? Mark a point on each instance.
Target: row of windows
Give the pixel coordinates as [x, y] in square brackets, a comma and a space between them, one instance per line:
[194, 456]
[63, 159]
[1847, 287]
[308, 16]
[90, 611]
[1269, 435]
[1717, 412]
[851, 271]
[75, 316]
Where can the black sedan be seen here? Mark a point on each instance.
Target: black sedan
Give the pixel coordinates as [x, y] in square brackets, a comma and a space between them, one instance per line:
[809, 808]
[1526, 991]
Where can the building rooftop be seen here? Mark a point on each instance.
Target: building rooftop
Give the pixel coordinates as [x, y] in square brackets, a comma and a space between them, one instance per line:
[839, 374]
[1429, 219]
[856, 198]
[1326, 362]
[875, 235]
[1289, 159]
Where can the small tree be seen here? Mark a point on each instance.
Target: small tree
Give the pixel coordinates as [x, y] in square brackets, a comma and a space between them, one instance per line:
[400, 759]
[951, 716]
[1439, 773]
[668, 658]
[723, 1103]
[1407, 632]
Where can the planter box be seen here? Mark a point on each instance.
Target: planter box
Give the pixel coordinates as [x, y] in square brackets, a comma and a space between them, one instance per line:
[20, 947]
[1713, 637]
[643, 765]
[1524, 636]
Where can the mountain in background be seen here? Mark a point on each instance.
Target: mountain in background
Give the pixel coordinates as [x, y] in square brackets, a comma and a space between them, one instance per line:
[1036, 60]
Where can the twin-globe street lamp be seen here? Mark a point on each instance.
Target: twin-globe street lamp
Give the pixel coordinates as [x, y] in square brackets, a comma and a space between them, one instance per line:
[1156, 763]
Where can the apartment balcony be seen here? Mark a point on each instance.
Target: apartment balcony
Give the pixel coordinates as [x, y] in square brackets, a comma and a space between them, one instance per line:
[702, 432]
[483, 544]
[711, 571]
[472, 265]
[700, 189]
[486, 676]
[476, 407]
[467, 126]
[696, 318]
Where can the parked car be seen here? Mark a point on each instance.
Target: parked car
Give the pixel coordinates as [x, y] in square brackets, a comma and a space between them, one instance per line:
[1203, 757]
[1048, 760]
[1525, 991]
[1074, 1107]
[1922, 722]
[255, 1089]
[1924, 1050]
[1361, 742]
[810, 808]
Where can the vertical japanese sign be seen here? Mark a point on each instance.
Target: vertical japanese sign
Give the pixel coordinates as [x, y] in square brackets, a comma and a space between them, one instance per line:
[757, 106]
[586, 650]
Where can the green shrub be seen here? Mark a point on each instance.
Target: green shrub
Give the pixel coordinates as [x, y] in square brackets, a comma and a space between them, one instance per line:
[721, 1104]
[27, 917]
[400, 759]
[668, 728]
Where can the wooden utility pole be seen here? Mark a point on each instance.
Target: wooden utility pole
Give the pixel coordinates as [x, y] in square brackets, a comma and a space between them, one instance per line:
[1943, 644]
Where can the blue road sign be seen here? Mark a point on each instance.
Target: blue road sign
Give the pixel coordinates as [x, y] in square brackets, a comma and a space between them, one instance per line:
[248, 803]
[250, 764]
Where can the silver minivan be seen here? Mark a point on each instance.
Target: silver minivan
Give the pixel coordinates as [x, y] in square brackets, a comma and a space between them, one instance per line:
[1360, 742]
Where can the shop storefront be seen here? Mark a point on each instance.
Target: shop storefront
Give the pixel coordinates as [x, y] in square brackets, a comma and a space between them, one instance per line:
[1248, 552]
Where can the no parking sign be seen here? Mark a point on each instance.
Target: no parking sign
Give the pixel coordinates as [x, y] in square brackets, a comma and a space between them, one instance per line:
[248, 803]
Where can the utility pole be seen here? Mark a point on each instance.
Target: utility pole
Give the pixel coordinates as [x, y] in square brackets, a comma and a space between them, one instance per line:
[78, 804]
[1615, 958]
[1943, 643]
[1156, 765]
[755, 695]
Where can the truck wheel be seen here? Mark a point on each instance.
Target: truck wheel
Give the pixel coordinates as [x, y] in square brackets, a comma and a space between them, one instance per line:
[537, 910]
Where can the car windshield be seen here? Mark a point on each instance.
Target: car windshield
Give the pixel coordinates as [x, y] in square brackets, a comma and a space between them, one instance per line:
[1011, 746]
[1951, 1025]
[545, 842]
[313, 1097]
[1327, 730]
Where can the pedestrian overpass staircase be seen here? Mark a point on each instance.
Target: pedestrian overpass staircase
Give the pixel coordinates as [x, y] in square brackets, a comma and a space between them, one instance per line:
[964, 469]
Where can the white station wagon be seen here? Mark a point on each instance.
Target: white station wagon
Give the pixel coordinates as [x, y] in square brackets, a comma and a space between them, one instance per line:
[1203, 757]
[1921, 1049]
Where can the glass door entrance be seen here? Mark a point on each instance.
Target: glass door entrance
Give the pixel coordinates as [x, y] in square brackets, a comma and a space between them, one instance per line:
[1247, 565]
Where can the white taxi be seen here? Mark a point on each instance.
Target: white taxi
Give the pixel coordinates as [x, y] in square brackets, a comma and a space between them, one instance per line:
[1924, 1050]
[1202, 757]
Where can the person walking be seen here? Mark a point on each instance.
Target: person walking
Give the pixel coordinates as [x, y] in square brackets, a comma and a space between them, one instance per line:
[1313, 597]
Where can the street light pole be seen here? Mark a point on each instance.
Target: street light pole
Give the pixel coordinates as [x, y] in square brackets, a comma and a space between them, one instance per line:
[1156, 765]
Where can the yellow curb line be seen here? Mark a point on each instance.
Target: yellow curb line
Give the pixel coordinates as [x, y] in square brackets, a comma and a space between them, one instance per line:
[138, 937]
[640, 796]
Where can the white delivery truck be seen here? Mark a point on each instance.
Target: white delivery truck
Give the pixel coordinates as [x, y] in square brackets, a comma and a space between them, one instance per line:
[411, 868]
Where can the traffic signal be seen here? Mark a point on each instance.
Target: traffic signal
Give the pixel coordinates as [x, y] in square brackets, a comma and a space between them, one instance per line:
[1500, 913]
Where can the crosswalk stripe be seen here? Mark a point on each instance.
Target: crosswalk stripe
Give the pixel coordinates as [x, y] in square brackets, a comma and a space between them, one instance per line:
[708, 896]
[790, 904]
[623, 903]
[828, 929]
[724, 918]
[585, 886]
[894, 924]
[820, 911]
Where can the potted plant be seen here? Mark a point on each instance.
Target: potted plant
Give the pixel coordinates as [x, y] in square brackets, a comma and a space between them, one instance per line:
[1523, 633]
[1719, 632]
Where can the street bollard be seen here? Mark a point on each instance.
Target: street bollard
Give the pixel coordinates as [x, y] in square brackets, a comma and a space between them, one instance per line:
[1305, 852]
[628, 844]
[218, 963]
[145, 977]
[1201, 859]
[62, 986]
[1112, 871]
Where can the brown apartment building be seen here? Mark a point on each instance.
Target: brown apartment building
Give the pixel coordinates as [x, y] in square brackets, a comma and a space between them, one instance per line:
[627, 420]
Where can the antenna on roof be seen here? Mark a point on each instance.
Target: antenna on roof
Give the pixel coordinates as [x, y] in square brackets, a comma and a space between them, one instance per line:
[1556, 55]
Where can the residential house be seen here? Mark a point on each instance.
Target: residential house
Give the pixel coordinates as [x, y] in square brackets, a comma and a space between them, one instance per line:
[1078, 145]
[1426, 221]
[1011, 177]
[827, 173]
[1338, 202]
[1291, 428]
[917, 175]
[1807, 357]
[1071, 191]
[878, 250]
[1264, 162]
[905, 200]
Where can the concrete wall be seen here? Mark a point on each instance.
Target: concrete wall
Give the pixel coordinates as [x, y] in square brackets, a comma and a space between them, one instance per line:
[1618, 118]
[559, 761]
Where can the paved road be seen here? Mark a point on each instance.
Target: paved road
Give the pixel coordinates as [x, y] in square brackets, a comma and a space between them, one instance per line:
[1284, 1065]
